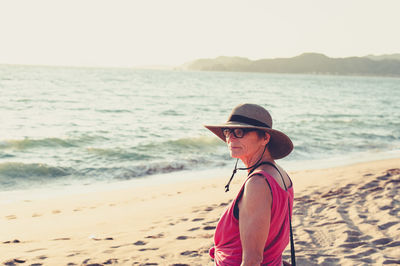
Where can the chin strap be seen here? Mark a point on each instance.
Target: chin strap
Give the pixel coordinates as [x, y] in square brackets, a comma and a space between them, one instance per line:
[233, 174]
[253, 167]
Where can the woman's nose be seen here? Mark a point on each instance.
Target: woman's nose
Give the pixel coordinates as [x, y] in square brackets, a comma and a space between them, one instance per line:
[230, 136]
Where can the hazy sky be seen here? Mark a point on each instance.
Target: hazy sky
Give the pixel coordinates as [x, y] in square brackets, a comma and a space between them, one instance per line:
[172, 32]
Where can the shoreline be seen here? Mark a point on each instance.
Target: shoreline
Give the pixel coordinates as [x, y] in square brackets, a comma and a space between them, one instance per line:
[188, 175]
[173, 222]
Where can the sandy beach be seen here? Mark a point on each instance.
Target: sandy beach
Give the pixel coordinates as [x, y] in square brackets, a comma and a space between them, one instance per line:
[348, 215]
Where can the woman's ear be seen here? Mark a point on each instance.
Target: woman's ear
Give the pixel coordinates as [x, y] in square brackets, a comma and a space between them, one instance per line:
[267, 137]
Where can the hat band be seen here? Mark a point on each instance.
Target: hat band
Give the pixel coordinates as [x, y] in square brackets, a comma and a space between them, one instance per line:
[246, 120]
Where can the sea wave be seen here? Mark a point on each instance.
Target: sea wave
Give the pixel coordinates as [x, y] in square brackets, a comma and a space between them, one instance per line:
[23, 170]
[119, 154]
[6, 155]
[147, 169]
[29, 143]
[21, 175]
[200, 143]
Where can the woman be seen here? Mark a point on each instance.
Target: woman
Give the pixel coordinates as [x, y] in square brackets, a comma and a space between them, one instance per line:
[255, 228]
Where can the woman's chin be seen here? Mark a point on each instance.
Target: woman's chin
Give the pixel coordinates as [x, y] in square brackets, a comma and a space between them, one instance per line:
[235, 154]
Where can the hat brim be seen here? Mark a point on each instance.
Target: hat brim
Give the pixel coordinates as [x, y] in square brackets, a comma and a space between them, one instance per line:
[279, 146]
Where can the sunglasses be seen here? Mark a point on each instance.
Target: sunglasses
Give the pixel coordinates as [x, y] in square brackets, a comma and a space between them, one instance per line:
[237, 132]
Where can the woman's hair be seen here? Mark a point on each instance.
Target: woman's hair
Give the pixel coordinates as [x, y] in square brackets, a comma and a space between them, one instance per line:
[260, 133]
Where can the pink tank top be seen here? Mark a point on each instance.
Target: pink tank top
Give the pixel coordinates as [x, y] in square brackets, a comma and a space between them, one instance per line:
[227, 250]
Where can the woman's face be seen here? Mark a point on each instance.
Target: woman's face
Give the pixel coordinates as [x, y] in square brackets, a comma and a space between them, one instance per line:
[247, 146]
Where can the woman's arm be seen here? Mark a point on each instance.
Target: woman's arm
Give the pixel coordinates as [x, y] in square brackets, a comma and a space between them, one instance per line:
[254, 220]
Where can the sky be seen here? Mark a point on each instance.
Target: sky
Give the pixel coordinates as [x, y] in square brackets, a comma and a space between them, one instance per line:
[124, 33]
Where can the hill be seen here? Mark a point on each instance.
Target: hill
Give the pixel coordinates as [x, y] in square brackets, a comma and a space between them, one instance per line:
[305, 63]
[385, 56]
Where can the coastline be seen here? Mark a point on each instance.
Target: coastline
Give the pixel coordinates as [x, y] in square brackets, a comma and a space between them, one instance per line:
[173, 222]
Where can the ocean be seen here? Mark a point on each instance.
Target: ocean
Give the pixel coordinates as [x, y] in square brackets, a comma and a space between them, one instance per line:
[71, 125]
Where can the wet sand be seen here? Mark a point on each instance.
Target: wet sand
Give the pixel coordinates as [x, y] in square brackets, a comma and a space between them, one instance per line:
[347, 215]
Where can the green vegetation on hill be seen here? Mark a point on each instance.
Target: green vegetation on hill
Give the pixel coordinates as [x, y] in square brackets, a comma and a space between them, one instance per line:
[304, 63]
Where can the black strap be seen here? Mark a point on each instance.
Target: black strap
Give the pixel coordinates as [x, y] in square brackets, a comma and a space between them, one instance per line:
[230, 179]
[292, 250]
[247, 120]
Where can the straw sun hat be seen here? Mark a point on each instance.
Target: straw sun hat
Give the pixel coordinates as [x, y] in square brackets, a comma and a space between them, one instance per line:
[255, 116]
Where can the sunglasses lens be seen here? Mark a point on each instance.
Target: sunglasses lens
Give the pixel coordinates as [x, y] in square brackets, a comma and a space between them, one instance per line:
[226, 132]
[238, 132]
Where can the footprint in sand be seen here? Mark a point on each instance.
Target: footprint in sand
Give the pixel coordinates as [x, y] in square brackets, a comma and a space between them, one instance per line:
[87, 261]
[223, 204]
[391, 262]
[374, 183]
[183, 237]
[368, 174]
[194, 229]
[111, 261]
[394, 212]
[140, 243]
[160, 235]
[211, 222]
[197, 219]
[208, 209]
[382, 241]
[387, 225]
[36, 214]
[15, 241]
[36, 249]
[56, 212]
[330, 261]
[146, 249]
[11, 217]
[190, 253]
[394, 171]
[394, 244]
[209, 227]
[14, 261]
[353, 245]
[352, 239]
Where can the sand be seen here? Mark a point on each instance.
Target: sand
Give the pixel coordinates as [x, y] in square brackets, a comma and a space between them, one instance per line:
[347, 215]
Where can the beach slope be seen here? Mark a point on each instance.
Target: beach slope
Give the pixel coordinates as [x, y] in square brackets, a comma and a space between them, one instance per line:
[347, 215]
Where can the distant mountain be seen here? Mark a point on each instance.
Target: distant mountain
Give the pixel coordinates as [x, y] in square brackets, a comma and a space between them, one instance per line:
[383, 57]
[305, 63]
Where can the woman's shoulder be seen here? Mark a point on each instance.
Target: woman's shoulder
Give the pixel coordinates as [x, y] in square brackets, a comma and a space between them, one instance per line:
[278, 174]
[258, 178]
[256, 189]
[257, 184]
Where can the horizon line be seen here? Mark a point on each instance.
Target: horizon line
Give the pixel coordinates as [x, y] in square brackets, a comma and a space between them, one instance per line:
[169, 66]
